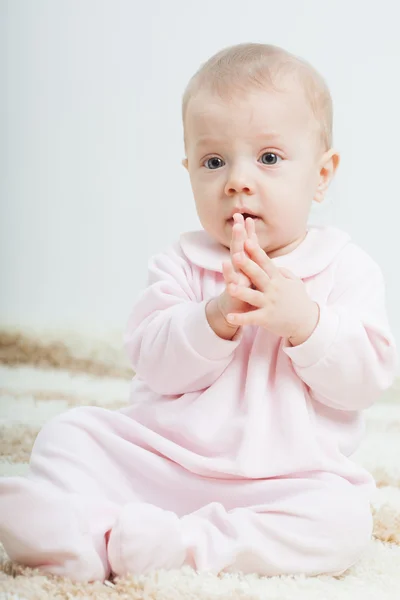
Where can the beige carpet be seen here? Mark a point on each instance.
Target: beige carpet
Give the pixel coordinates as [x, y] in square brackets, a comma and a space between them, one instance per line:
[29, 396]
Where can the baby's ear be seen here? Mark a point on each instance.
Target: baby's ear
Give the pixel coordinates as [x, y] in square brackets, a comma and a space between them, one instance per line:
[328, 164]
[185, 163]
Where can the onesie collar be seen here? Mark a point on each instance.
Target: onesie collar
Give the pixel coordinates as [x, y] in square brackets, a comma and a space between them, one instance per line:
[313, 255]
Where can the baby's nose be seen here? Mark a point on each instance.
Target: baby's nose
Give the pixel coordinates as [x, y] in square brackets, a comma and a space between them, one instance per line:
[239, 182]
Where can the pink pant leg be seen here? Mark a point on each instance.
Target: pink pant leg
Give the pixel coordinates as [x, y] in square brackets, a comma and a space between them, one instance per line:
[43, 528]
[57, 517]
[89, 475]
[304, 526]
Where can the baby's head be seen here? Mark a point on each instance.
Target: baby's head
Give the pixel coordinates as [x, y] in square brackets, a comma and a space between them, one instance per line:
[258, 134]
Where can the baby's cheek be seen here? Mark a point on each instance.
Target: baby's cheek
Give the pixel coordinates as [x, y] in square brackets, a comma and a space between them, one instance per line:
[206, 205]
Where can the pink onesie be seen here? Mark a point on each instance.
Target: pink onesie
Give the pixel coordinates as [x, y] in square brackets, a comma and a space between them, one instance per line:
[233, 455]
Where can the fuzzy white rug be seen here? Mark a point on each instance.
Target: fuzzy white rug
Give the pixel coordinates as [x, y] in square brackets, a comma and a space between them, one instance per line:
[30, 396]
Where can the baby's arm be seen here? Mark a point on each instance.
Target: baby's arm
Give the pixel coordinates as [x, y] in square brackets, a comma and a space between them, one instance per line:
[169, 340]
[350, 358]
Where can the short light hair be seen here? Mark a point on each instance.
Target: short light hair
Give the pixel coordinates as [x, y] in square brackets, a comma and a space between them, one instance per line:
[261, 66]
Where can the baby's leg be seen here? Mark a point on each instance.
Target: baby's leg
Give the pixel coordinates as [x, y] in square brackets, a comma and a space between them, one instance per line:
[60, 533]
[305, 526]
[81, 473]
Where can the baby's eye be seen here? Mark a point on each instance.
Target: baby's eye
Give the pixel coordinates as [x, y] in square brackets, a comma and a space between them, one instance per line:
[214, 163]
[270, 158]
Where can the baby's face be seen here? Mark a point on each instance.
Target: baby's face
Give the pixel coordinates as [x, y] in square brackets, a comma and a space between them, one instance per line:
[259, 155]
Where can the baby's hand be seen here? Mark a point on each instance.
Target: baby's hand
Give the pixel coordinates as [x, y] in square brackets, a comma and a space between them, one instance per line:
[279, 300]
[241, 232]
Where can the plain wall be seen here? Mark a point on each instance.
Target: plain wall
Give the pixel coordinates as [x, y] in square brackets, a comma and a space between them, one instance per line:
[91, 143]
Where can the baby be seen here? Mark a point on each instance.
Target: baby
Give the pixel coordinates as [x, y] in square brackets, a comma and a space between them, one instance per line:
[256, 346]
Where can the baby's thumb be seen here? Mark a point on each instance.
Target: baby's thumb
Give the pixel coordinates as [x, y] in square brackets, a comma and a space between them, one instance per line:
[288, 274]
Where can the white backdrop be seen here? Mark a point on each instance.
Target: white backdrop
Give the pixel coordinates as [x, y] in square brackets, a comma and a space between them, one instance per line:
[91, 143]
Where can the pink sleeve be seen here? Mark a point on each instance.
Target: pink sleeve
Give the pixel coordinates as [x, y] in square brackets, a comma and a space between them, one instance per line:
[350, 358]
[169, 341]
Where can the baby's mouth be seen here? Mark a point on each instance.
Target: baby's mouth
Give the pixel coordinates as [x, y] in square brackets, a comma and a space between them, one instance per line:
[245, 216]
[248, 215]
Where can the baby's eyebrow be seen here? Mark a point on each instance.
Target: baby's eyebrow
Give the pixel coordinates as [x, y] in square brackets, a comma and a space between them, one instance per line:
[206, 139]
[272, 136]
[267, 136]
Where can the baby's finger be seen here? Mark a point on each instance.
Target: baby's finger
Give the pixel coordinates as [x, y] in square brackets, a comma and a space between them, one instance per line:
[251, 229]
[238, 218]
[239, 234]
[288, 274]
[229, 273]
[262, 259]
[239, 237]
[253, 317]
[246, 294]
[252, 270]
